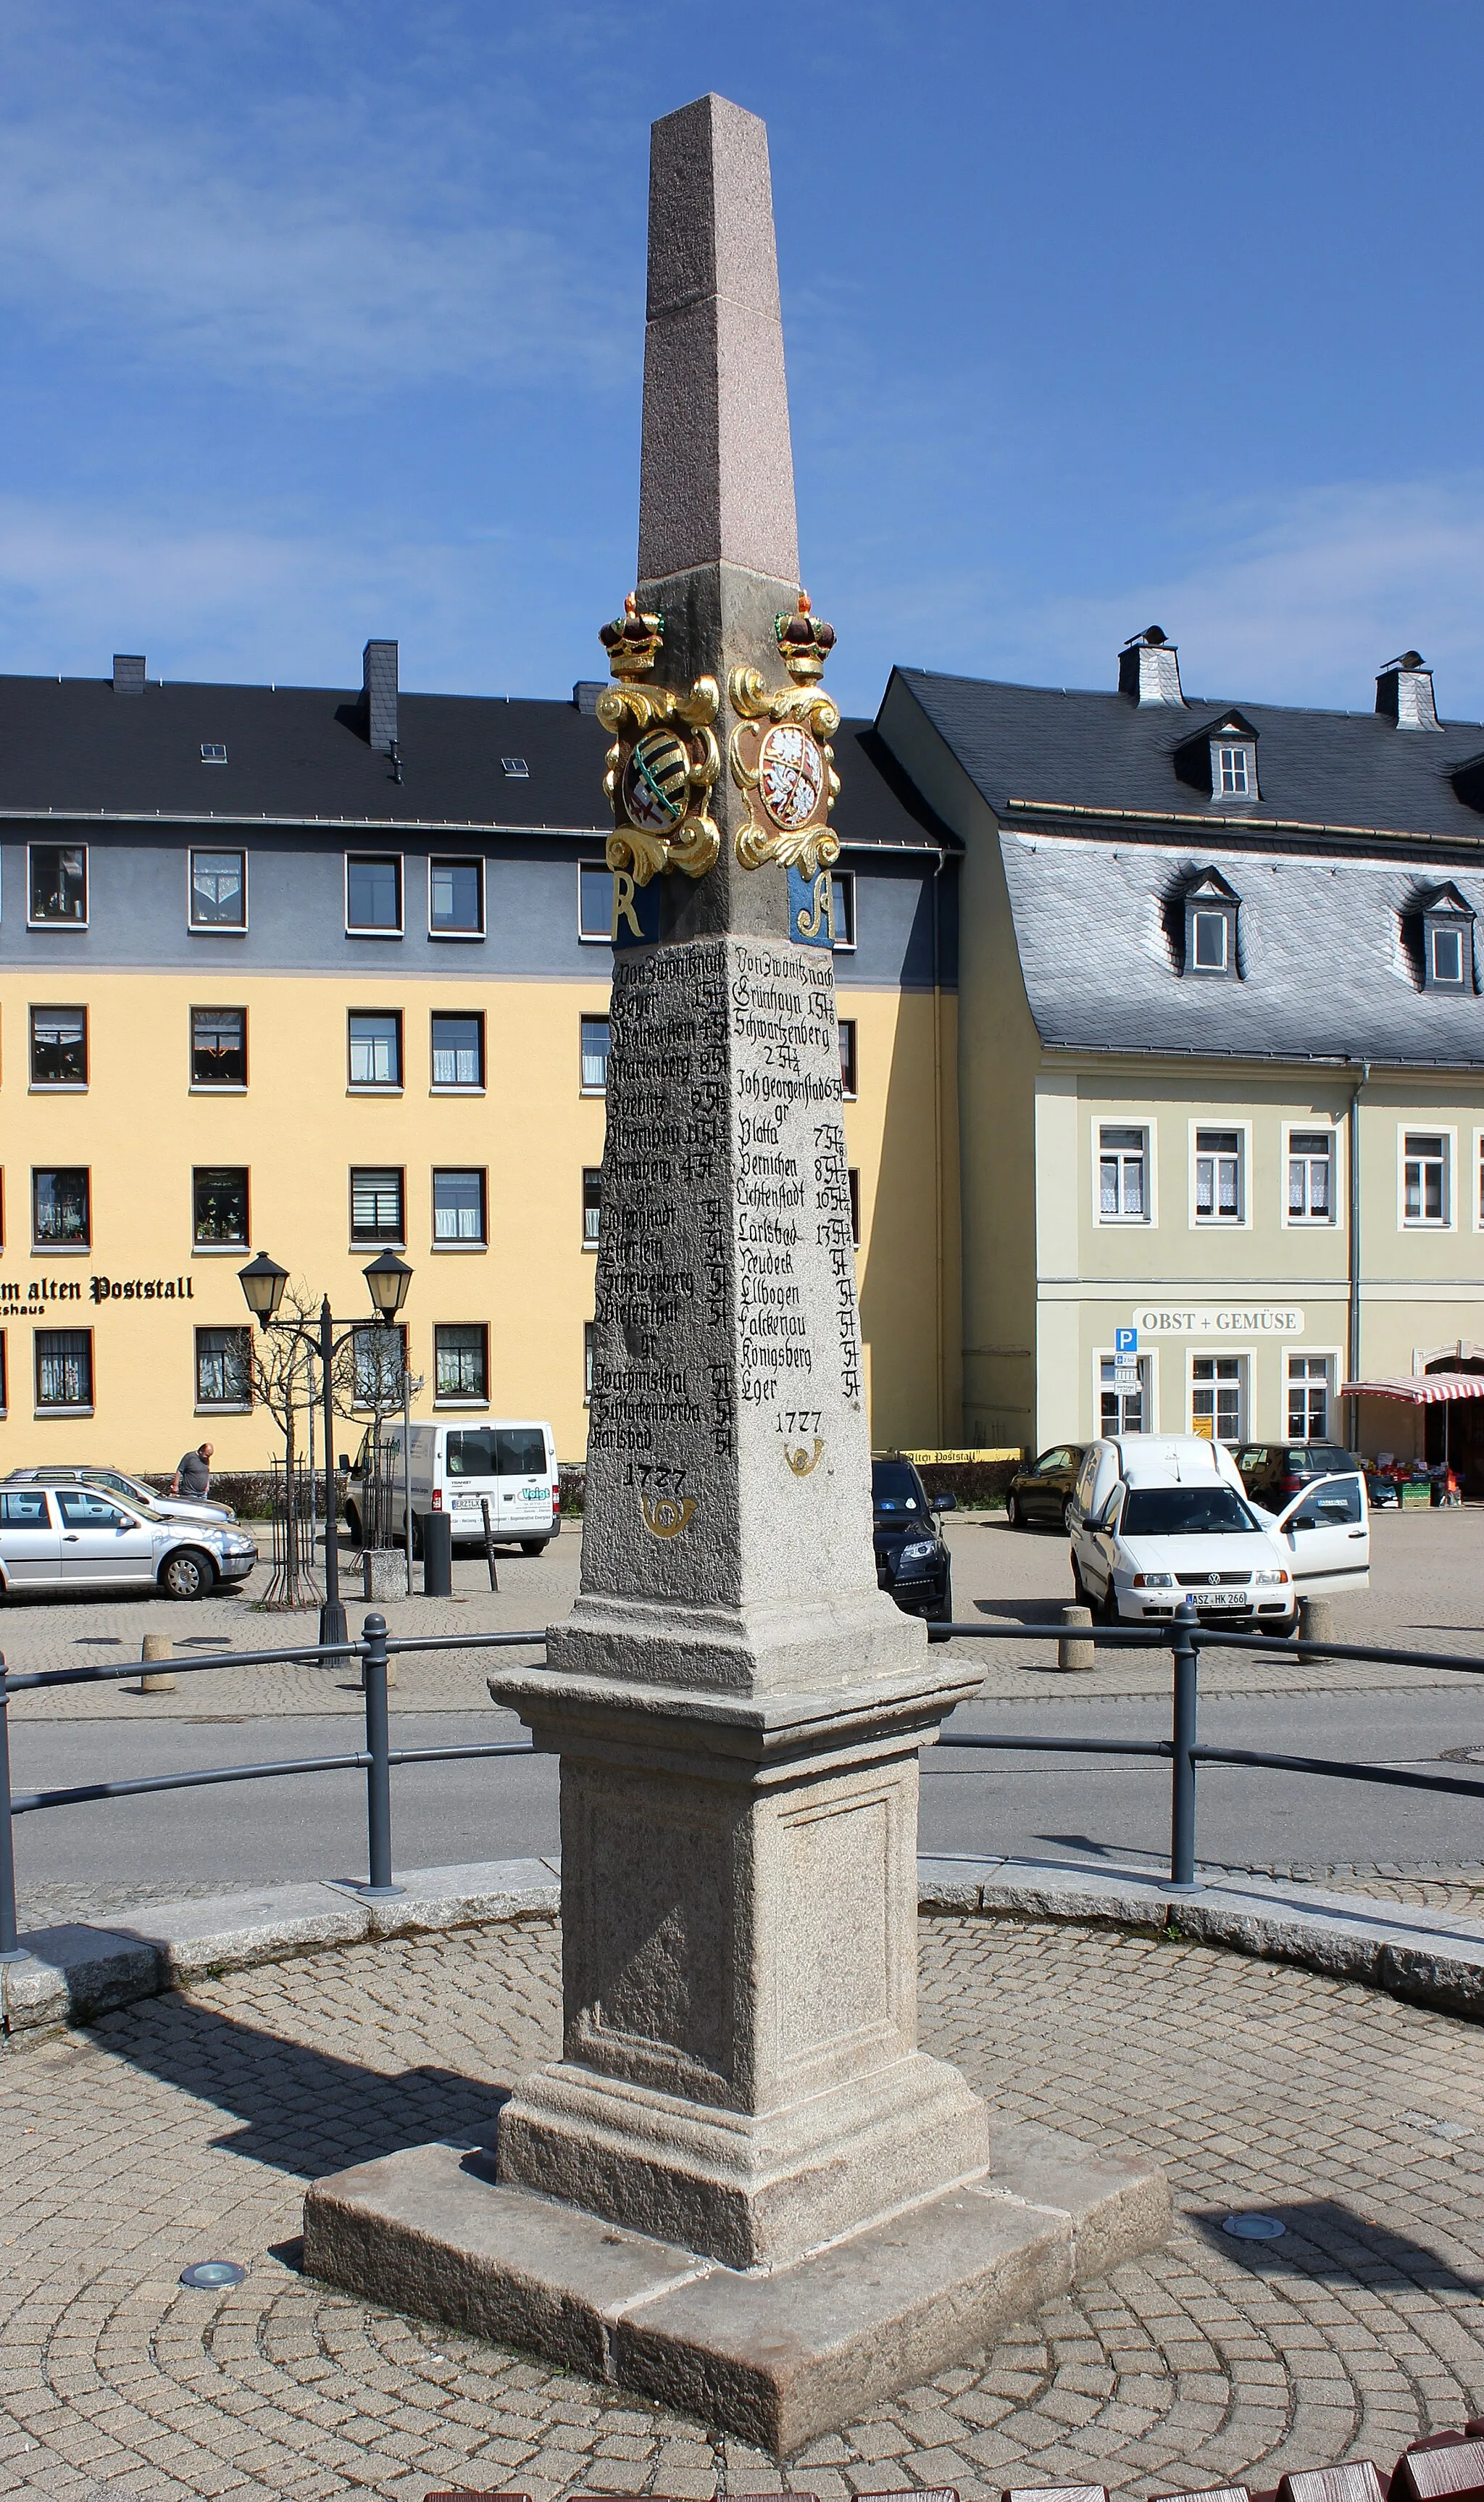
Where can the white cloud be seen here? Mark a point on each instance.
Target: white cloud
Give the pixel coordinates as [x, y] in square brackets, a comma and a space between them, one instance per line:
[1301, 603]
[333, 232]
[255, 604]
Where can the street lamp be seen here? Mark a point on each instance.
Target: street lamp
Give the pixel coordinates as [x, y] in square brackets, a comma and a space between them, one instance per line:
[262, 1283]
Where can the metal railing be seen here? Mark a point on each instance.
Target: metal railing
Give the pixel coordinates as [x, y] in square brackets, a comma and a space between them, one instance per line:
[1182, 1746]
[378, 1756]
[375, 1758]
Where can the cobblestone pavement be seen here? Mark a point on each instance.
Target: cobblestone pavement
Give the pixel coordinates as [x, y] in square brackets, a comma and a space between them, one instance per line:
[184, 2128]
[1427, 1589]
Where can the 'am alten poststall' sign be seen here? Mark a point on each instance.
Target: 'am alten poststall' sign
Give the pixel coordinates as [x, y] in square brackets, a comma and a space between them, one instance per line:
[32, 1297]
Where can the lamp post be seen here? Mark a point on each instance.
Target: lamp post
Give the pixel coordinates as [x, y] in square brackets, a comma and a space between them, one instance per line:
[262, 1282]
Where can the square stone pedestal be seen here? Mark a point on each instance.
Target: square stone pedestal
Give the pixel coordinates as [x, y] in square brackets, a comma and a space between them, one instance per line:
[777, 2357]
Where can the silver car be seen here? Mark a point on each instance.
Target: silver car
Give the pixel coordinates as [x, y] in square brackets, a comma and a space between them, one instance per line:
[74, 1538]
[175, 1506]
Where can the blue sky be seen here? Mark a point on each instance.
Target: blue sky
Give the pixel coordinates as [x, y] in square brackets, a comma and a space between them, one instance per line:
[325, 320]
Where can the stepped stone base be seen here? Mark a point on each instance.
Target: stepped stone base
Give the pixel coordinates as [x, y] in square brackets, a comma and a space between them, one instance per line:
[777, 2358]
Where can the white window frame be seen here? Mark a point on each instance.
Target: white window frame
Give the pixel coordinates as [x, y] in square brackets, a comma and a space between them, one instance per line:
[458, 1241]
[1219, 913]
[470, 1401]
[1148, 1360]
[213, 929]
[1246, 1358]
[397, 860]
[594, 938]
[1301, 1128]
[1102, 1119]
[1333, 1357]
[1478, 1181]
[453, 860]
[1423, 1128]
[377, 1085]
[593, 1016]
[31, 922]
[1242, 1223]
[844, 879]
[1450, 924]
[1240, 751]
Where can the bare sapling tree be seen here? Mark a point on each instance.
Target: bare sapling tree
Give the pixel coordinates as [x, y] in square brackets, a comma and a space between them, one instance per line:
[286, 1380]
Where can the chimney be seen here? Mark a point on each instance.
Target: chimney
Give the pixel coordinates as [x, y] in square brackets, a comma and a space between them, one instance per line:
[1405, 693]
[379, 695]
[1149, 668]
[585, 692]
[129, 673]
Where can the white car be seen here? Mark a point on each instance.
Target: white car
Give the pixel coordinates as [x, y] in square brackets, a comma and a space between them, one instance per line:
[175, 1506]
[1160, 1519]
[74, 1538]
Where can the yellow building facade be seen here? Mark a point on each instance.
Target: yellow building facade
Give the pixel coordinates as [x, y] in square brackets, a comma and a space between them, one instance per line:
[367, 1017]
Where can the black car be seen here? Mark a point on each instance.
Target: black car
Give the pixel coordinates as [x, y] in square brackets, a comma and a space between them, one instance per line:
[912, 1560]
[1273, 1472]
[1039, 1494]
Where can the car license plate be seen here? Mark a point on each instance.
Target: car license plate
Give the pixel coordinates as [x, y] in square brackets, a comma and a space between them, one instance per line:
[1220, 1597]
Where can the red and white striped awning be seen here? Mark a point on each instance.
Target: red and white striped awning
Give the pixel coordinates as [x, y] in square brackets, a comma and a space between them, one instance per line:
[1419, 1389]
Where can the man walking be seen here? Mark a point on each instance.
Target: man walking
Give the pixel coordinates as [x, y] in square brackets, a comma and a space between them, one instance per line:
[194, 1478]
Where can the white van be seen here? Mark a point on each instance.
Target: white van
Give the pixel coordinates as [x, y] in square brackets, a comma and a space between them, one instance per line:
[458, 1468]
[1160, 1519]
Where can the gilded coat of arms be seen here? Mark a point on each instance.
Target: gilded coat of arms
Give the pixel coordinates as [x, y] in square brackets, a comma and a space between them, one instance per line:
[780, 754]
[665, 760]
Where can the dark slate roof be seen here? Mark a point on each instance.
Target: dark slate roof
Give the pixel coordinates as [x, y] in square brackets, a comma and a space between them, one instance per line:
[294, 752]
[1329, 930]
[72, 746]
[1077, 748]
[877, 802]
[1326, 971]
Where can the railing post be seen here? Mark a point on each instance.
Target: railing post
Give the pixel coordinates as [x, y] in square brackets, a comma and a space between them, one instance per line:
[379, 1769]
[1182, 1769]
[10, 1950]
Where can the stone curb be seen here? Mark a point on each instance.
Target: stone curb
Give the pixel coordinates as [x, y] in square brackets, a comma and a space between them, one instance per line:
[1410, 1951]
[76, 1972]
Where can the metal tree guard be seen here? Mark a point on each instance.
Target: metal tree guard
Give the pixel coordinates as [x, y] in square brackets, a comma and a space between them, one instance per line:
[262, 1282]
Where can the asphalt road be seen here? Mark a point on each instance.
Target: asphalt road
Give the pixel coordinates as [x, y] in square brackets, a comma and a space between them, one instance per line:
[1037, 1804]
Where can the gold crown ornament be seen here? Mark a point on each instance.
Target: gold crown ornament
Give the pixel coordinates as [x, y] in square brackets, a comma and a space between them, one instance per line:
[780, 754]
[634, 641]
[805, 642]
[664, 758]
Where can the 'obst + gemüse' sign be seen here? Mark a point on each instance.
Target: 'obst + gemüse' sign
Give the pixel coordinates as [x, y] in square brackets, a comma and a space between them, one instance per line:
[1220, 1320]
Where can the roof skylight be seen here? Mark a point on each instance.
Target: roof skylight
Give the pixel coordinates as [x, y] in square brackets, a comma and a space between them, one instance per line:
[212, 752]
[516, 768]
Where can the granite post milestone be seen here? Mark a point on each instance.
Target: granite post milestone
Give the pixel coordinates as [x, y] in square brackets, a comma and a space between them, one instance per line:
[742, 2187]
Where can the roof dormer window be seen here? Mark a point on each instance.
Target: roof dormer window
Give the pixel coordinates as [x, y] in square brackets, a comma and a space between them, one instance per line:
[1222, 759]
[1210, 941]
[1447, 939]
[1210, 913]
[1232, 776]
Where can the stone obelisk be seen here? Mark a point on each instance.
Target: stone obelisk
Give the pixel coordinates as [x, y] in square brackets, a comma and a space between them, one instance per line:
[742, 2187]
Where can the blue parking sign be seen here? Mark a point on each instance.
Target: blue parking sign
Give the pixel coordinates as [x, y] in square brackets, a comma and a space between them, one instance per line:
[1125, 1341]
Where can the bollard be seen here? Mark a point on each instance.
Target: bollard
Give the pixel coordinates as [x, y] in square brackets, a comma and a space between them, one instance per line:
[379, 1765]
[1182, 1769]
[1073, 1650]
[156, 1680]
[10, 1950]
[437, 1556]
[1316, 1620]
